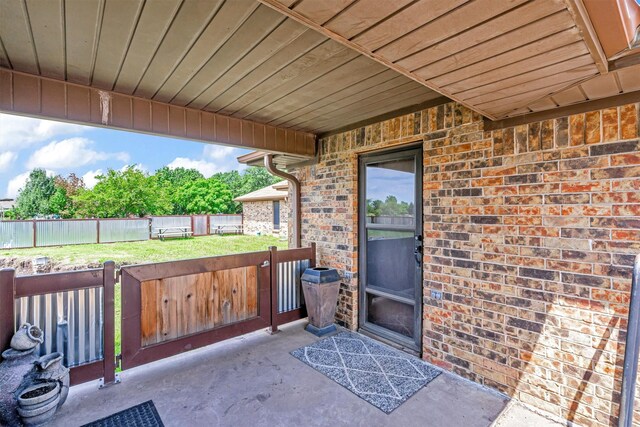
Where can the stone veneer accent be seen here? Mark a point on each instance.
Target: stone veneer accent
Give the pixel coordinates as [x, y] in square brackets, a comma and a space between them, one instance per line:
[257, 217]
[530, 233]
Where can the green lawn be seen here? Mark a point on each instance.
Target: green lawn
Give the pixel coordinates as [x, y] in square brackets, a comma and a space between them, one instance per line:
[146, 251]
[149, 250]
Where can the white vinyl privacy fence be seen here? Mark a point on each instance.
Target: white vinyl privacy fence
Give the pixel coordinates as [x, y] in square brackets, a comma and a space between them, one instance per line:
[59, 232]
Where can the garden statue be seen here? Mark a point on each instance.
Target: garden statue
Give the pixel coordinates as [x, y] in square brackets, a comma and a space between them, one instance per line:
[31, 388]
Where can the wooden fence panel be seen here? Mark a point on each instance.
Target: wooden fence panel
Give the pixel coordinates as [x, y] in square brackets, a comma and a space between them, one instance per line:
[179, 306]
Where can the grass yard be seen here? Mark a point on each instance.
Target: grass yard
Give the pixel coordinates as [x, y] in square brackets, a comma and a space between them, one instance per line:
[149, 250]
[144, 252]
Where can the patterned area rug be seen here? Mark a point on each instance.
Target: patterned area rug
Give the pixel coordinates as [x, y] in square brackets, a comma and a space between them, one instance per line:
[142, 415]
[375, 372]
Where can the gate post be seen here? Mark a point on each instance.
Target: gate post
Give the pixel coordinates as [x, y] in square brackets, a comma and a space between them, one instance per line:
[273, 262]
[109, 281]
[7, 305]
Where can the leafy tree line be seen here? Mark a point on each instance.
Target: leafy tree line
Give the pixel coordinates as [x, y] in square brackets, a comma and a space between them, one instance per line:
[390, 207]
[133, 193]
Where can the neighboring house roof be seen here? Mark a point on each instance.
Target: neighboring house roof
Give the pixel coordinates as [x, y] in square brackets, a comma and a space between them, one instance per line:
[6, 204]
[277, 191]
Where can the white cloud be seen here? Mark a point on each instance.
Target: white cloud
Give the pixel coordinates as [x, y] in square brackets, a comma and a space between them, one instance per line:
[89, 178]
[218, 152]
[69, 153]
[6, 159]
[206, 168]
[215, 158]
[17, 183]
[18, 132]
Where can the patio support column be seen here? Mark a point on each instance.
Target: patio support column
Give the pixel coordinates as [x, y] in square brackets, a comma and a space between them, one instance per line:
[109, 281]
[295, 203]
[7, 315]
[632, 351]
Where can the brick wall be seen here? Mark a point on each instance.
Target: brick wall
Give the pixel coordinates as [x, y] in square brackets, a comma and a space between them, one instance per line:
[258, 217]
[530, 234]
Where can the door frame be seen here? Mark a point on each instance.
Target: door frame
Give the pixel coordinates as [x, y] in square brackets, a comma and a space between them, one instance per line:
[413, 345]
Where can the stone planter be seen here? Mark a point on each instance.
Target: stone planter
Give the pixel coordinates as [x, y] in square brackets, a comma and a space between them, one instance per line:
[15, 366]
[50, 368]
[37, 404]
[320, 286]
[31, 388]
[27, 337]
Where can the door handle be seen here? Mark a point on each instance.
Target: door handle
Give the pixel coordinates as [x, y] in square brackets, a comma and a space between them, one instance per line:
[418, 254]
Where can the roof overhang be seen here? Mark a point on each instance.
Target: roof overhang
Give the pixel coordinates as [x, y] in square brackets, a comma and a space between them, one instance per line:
[499, 58]
[275, 73]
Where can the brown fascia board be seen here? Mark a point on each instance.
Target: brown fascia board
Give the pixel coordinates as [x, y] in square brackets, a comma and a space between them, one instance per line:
[35, 96]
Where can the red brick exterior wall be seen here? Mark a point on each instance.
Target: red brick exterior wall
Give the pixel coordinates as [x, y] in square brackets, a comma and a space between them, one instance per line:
[530, 234]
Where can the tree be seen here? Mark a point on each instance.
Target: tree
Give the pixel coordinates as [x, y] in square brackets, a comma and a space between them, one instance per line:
[172, 180]
[9, 215]
[176, 177]
[204, 196]
[251, 179]
[61, 203]
[255, 178]
[390, 207]
[121, 194]
[233, 181]
[33, 199]
[71, 184]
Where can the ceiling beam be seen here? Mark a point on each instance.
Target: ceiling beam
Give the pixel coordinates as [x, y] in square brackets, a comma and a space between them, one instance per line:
[568, 110]
[34, 96]
[278, 6]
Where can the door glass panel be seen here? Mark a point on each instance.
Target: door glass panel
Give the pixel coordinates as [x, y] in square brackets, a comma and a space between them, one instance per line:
[390, 192]
[391, 265]
[390, 314]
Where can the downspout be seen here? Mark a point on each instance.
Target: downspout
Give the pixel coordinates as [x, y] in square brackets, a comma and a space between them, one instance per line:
[295, 203]
[631, 352]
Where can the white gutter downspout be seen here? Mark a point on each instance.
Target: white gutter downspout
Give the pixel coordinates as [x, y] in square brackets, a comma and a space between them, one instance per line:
[295, 202]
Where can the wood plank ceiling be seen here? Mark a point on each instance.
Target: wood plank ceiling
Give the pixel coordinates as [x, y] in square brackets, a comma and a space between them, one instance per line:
[315, 65]
[500, 58]
[236, 57]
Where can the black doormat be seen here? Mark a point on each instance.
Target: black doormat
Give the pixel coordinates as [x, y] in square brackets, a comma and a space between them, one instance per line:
[142, 415]
[375, 372]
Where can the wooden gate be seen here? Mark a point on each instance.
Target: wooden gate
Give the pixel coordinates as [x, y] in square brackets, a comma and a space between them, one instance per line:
[169, 308]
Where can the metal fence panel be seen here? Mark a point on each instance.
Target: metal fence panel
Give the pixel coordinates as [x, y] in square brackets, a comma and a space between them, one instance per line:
[200, 225]
[72, 322]
[168, 221]
[16, 234]
[61, 232]
[123, 230]
[289, 285]
[216, 221]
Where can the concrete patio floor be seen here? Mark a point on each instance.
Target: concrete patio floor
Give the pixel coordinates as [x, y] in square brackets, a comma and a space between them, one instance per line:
[253, 381]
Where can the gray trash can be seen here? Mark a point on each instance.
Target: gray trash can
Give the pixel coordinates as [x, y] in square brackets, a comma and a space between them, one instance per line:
[320, 286]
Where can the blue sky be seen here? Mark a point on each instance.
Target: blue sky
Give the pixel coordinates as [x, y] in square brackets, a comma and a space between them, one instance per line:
[62, 148]
[383, 182]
